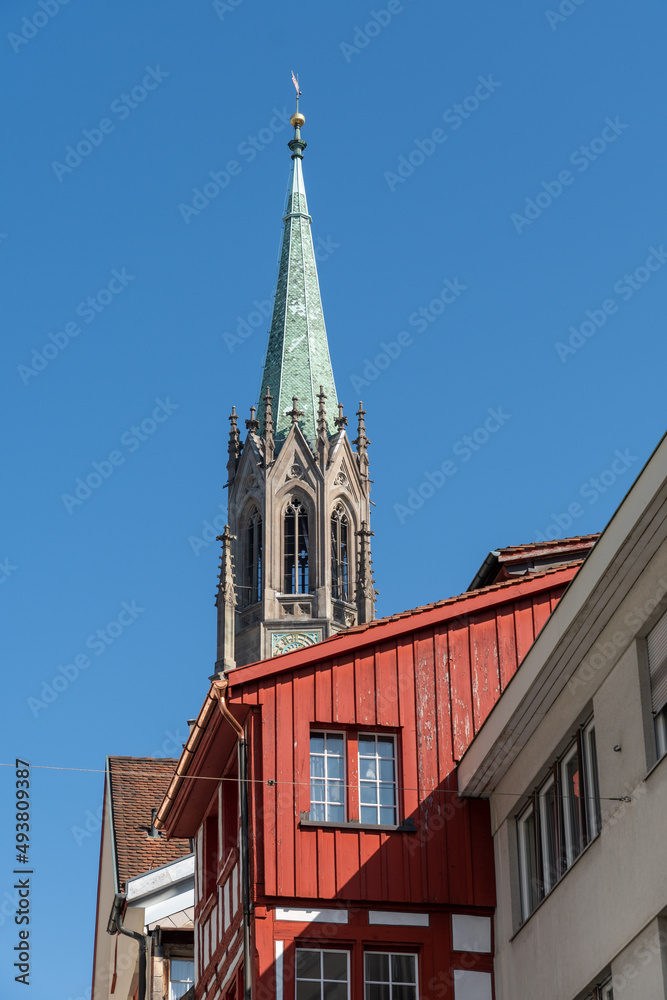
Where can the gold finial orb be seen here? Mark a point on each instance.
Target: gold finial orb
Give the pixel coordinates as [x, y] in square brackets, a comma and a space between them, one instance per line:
[298, 120]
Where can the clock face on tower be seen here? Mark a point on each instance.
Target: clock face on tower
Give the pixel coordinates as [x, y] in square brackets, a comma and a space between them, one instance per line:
[287, 642]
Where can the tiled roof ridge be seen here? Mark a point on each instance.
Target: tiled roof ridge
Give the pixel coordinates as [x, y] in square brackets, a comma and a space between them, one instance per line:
[550, 543]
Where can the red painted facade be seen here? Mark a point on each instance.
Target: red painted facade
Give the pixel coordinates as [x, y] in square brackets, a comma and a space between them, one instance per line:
[427, 679]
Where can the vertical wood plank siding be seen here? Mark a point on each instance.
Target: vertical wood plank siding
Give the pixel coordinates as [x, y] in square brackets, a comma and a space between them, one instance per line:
[434, 688]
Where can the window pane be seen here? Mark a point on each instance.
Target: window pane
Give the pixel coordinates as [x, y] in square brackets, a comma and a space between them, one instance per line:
[182, 970]
[369, 814]
[335, 965]
[386, 770]
[306, 990]
[548, 816]
[377, 967]
[317, 791]
[366, 747]
[368, 792]
[571, 793]
[403, 968]
[334, 767]
[385, 746]
[316, 743]
[387, 816]
[377, 991]
[336, 791]
[317, 811]
[316, 766]
[335, 743]
[307, 964]
[387, 795]
[404, 993]
[367, 768]
[335, 991]
[529, 885]
[336, 814]
[178, 990]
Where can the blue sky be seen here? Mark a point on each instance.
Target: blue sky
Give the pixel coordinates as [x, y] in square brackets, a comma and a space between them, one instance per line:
[540, 199]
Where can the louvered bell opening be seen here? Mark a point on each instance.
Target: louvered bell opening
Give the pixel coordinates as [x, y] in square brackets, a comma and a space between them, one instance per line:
[657, 661]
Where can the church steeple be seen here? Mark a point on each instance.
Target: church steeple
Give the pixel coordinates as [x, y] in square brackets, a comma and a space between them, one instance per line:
[296, 561]
[297, 359]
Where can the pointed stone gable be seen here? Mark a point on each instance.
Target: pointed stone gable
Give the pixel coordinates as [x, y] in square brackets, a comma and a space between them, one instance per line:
[297, 358]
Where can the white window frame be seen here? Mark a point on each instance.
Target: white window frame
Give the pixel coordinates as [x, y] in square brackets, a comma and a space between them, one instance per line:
[322, 980]
[549, 877]
[327, 733]
[606, 991]
[592, 787]
[377, 782]
[391, 984]
[570, 808]
[525, 877]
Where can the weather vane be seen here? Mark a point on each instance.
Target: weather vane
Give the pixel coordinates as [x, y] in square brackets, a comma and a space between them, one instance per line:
[295, 81]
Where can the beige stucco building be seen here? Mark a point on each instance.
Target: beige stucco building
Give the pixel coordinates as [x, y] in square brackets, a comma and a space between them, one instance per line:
[573, 761]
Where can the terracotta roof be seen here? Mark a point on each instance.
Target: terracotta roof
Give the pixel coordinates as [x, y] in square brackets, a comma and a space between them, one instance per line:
[551, 544]
[514, 560]
[137, 786]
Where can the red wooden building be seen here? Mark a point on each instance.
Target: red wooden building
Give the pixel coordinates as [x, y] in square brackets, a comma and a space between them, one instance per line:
[369, 877]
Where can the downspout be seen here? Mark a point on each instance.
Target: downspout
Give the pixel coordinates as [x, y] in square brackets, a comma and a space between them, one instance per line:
[221, 688]
[115, 925]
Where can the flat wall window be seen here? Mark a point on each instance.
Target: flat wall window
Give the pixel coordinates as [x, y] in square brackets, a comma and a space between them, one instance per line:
[592, 784]
[549, 830]
[571, 785]
[528, 862]
[322, 975]
[656, 642]
[181, 977]
[377, 779]
[327, 777]
[390, 976]
[562, 817]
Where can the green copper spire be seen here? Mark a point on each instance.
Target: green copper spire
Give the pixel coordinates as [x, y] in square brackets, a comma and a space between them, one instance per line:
[297, 360]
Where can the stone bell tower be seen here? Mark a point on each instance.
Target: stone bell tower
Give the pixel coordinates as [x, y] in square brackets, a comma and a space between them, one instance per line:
[296, 556]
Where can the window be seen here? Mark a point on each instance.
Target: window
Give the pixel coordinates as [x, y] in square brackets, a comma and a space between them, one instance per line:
[296, 548]
[606, 992]
[592, 784]
[251, 587]
[390, 977]
[549, 831]
[656, 643]
[322, 975]
[327, 777]
[339, 553]
[571, 785]
[377, 779]
[562, 817]
[181, 977]
[528, 862]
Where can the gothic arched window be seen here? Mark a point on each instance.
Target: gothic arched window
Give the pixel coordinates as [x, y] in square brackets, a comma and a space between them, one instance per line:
[339, 553]
[296, 548]
[251, 586]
